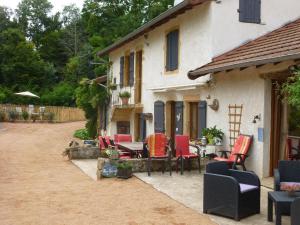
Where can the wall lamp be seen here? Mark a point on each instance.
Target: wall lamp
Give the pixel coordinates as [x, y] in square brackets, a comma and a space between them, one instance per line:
[256, 118]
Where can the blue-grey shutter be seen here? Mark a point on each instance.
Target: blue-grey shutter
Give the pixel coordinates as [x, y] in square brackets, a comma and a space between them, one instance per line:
[179, 118]
[121, 71]
[202, 110]
[143, 133]
[159, 117]
[131, 69]
[172, 50]
[250, 11]
[168, 60]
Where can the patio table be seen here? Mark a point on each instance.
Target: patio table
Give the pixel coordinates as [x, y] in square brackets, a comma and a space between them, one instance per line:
[135, 148]
[280, 199]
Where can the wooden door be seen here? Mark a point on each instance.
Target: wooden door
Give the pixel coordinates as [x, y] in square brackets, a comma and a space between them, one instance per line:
[194, 120]
[138, 74]
[276, 107]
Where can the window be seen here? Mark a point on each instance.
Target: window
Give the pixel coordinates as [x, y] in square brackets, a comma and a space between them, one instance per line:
[127, 70]
[250, 11]
[172, 50]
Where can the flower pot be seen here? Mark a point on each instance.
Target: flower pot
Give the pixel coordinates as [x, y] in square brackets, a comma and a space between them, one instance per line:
[124, 173]
[125, 101]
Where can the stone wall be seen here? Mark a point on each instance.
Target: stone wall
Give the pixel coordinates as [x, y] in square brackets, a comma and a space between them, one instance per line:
[140, 165]
[83, 153]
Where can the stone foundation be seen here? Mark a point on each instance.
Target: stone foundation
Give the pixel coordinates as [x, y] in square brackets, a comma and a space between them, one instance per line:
[140, 165]
[83, 153]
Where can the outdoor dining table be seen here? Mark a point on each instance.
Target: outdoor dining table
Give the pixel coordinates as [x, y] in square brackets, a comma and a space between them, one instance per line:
[135, 148]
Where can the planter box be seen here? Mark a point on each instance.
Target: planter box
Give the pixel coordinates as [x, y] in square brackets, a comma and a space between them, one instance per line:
[124, 173]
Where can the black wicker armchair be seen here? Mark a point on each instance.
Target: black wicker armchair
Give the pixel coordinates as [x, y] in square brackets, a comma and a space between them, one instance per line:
[295, 215]
[288, 171]
[230, 193]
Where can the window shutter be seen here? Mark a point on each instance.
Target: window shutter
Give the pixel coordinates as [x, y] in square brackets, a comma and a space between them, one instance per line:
[168, 60]
[172, 50]
[143, 127]
[250, 11]
[202, 110]
[131, 69]
[159, 117]
[122, 71]
[179, 118]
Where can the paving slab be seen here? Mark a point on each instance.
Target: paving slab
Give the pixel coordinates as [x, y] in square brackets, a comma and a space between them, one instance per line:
[88, 166]
[188, 190]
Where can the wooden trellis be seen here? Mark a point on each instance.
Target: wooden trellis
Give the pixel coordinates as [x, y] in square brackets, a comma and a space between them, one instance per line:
[235, 118]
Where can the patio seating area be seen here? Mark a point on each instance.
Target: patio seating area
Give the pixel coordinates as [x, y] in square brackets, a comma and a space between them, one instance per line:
[213, 186]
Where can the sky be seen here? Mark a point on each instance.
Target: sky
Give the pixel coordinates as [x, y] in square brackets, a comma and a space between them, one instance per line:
[58, 5]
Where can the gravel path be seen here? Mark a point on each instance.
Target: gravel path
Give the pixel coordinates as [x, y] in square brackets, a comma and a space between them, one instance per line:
[39, 186]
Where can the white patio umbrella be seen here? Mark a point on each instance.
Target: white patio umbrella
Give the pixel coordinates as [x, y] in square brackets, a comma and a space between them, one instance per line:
[28, 94]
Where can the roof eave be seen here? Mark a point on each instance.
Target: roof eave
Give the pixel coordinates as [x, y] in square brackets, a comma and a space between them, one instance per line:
[194, 74]
[150, 25]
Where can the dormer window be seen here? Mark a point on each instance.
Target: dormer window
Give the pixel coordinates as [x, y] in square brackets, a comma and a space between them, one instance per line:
[250, 11]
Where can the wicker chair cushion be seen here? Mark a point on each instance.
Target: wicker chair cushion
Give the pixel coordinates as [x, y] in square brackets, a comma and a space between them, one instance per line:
[246, 187]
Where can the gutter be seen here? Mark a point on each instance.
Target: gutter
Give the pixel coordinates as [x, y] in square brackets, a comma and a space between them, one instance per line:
[194, 74]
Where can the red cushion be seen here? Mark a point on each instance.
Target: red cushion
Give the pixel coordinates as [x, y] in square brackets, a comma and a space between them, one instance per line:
[182, 143]
[191, 155]
[157, 145]
[223, 159]
[122, 138]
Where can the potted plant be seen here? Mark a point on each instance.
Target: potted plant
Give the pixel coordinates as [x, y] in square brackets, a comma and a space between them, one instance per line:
[124, 170]
[214, 137]
[125, 95]
[112, 87]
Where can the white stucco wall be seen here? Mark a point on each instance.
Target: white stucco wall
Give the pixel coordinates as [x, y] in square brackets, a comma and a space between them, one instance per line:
[241, 88]
[229, 33]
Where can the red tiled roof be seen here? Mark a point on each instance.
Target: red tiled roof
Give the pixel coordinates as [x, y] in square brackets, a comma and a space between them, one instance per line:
[279, 45]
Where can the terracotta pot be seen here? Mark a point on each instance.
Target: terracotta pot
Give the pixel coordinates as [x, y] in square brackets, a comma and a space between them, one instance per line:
[125, 101]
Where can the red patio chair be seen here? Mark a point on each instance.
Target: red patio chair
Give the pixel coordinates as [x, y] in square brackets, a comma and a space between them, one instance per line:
[107, 144]
[101, 143]
[122, 138]
[239, 152]
[158, 149]
[182, 148]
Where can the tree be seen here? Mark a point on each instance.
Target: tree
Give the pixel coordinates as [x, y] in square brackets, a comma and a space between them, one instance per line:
[291, 88]
[21, 67]
[90, 97]
[34, 20]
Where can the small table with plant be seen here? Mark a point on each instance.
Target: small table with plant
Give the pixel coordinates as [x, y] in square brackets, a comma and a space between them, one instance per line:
[214, 139]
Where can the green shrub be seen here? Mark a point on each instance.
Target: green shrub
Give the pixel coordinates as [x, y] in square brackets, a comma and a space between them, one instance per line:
[82, 134]
[124, 165]
[25, 115]
[34, 117]
[13, 115]
[2, 116]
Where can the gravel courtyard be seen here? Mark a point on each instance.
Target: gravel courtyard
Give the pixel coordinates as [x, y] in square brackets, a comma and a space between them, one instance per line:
[39, 186]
